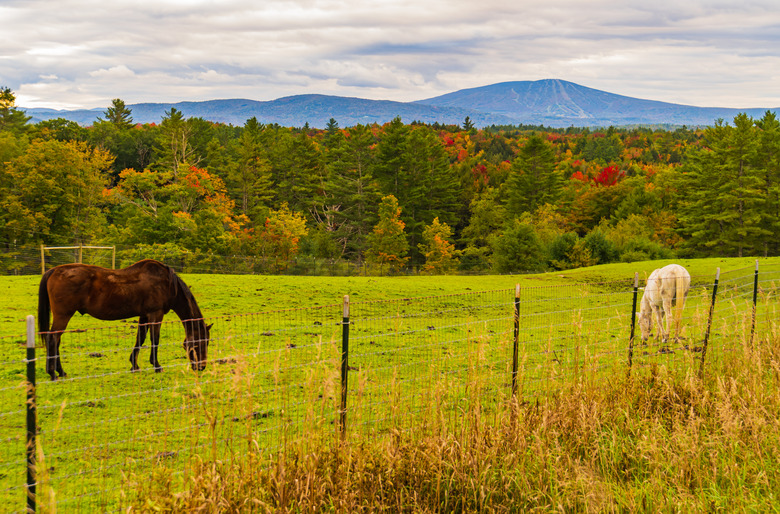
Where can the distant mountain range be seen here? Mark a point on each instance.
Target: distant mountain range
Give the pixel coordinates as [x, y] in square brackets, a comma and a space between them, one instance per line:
[552, 103]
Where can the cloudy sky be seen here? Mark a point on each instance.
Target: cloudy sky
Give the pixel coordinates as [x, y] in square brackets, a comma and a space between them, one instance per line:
[81, 54]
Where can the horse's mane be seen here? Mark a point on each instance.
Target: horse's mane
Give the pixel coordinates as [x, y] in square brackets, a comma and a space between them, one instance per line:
[180, 288]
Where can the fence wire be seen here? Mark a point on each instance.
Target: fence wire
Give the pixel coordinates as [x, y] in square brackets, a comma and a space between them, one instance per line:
[274, 377]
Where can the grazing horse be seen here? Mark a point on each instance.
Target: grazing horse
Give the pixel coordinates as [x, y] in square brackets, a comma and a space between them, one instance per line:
[147, 289]
[665, 287]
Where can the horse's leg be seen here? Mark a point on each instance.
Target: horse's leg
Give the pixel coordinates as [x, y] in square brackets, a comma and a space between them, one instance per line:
[52, 346]
[667, 314]
[140, 337]
[155, 320]
[658, 315]
[53, 361]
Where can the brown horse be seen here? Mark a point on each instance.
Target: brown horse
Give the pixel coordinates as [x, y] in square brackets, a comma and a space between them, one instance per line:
[147, 289]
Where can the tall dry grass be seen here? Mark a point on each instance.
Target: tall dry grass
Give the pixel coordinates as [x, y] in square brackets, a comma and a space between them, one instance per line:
[660, 440]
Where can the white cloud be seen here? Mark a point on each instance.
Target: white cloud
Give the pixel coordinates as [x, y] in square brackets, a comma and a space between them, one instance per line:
[115, 72]
[85, 53]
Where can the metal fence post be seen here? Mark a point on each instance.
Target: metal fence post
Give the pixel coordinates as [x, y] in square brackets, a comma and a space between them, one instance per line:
[709, 323]
[755, 298]
[344, 366]
[515, 347]
[32, 425]
[633, 324]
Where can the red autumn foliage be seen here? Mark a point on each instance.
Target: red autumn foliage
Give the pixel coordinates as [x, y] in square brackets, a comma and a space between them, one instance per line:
[577, 175]
[609, 176]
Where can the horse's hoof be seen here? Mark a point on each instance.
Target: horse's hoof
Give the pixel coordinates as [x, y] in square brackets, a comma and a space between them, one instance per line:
[134, 369]
[158, 369]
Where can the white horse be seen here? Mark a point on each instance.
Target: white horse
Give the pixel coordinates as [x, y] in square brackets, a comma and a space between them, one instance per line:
[665, 287]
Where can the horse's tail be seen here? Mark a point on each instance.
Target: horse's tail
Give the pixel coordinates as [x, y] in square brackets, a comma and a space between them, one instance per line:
[681, 292]
[44, 308]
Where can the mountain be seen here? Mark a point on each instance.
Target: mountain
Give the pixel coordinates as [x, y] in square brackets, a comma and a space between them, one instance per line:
[558, 103]
[291, 111]
[553, 103]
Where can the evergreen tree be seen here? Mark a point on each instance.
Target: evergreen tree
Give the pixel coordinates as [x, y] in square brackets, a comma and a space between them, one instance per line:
[176, 150]
[118, 115]
[389, 165]
[299, 173]
[768, 167]
[533, 179]
[428, 186]
[249, 176]
[11, 119]
[331, 132]
[721, 214]
[352, 195]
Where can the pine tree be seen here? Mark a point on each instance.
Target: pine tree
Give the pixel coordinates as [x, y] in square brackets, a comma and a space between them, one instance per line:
[249, 177]
[299, 173]
[11, 118]
[721, 210]
[352, 195]
[118, 114]
[768, 165]
[177, 151]
[389, 164]
[533, 179]
[428, 185]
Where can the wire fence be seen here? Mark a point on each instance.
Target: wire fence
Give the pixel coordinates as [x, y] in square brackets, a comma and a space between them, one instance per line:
[306, 375]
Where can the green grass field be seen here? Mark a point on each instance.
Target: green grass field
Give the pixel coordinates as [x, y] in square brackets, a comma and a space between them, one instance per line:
[220, 295]
[273, 374]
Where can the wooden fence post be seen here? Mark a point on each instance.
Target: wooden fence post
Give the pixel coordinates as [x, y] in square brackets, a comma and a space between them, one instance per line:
[709, 323]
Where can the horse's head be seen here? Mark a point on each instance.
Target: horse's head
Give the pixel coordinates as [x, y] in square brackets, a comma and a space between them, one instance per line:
[196, 344]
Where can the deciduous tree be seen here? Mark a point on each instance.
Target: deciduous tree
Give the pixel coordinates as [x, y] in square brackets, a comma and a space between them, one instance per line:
[387, 244]
[439, 253]
[282, 234]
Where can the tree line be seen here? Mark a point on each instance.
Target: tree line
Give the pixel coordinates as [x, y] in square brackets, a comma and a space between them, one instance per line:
[397, 196]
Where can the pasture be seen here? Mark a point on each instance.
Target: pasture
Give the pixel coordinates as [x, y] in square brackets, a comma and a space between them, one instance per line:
[421, 348]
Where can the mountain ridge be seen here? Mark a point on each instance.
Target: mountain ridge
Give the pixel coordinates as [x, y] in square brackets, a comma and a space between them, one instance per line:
[549, 102]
